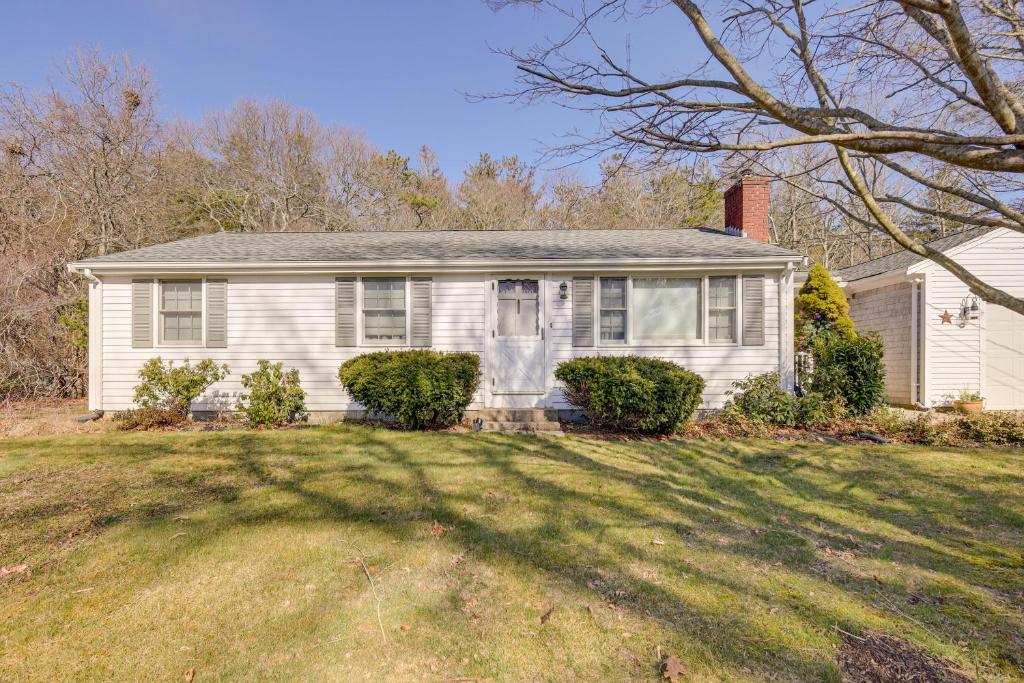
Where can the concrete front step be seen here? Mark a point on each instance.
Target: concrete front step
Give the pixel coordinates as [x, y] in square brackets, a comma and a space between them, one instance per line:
[522, 426]
[518, 415]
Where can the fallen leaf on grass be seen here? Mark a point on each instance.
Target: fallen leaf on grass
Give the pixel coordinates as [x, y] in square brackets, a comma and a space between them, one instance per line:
[437, 529]
[190, 675]
[547, 615]
[178, 535]
[658, 541]
[671, 668]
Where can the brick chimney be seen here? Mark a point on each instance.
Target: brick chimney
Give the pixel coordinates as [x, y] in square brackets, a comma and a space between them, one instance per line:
[746, 207]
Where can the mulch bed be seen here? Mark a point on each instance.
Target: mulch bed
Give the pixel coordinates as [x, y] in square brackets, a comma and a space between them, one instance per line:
[879, 658]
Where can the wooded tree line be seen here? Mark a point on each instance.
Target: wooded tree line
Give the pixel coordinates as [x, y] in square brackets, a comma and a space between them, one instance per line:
[89, 167]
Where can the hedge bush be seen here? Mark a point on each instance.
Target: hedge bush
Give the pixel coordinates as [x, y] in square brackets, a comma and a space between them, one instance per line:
[851, 369]
[761, 400]
[274, 397]
[631, 393]
[166, 387]
[418, 389]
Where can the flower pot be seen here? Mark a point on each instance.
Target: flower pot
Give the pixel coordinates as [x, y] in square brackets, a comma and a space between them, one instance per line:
[968, 406]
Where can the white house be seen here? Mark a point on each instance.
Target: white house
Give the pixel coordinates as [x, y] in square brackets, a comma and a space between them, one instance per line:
[939, 339]
[717, 302]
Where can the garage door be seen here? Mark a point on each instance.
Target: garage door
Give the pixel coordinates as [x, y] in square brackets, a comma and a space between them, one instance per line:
[1004, 359]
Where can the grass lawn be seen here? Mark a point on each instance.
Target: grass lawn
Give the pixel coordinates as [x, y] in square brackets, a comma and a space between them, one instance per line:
[352, 553]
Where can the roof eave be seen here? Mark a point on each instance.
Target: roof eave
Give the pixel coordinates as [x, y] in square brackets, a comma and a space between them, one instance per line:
[283, 267]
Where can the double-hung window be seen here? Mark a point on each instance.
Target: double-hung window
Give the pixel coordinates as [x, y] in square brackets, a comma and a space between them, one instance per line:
[666, 309]
[613, 310]
[384, 318]
[722, 309]
[181, 312]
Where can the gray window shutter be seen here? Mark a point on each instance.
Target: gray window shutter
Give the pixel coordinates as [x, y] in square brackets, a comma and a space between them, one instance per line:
[753, 310]
[216, 314]
[583, 311]
[344, 311]
[142, 314]
[421, 315]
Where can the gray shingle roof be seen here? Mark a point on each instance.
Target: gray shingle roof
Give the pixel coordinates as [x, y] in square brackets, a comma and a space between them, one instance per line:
[903, 259]
[448, 245]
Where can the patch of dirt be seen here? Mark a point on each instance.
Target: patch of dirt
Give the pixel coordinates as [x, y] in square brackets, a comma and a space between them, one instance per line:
[880, 658]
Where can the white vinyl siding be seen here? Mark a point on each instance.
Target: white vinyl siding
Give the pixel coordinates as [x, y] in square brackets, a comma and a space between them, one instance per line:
[291, 319]
[719, 364]
[287, 318]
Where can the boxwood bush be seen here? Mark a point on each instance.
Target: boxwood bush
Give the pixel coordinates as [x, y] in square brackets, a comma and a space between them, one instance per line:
[418, 389]
[631, 393]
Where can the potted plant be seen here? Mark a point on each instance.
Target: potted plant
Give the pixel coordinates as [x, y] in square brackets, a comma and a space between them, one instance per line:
[969, 402]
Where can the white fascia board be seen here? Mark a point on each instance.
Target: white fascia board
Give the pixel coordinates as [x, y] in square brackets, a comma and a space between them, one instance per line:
[548, 265]
[875, 281]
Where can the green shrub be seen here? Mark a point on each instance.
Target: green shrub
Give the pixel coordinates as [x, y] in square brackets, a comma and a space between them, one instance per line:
[174, 388]
[851, 369]
[144, 419]
[419, 389]
[273, 397]
[631, 393]
[821, 307]
[760, 399]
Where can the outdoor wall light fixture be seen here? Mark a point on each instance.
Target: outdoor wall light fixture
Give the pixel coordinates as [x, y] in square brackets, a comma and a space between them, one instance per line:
[970, 309]
[563, 290]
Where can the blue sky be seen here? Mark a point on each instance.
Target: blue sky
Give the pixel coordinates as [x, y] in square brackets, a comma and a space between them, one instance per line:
[395, 70]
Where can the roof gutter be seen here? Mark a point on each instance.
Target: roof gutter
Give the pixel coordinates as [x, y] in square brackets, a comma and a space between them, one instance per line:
[285, 267]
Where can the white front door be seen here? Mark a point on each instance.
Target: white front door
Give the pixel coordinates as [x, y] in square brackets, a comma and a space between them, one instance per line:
[517, 365]
[1004, 359]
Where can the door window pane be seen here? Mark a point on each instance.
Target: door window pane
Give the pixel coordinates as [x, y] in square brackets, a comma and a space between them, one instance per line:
[384, 309]
[666, 309]
[613, 310]
[722, 309]
[518, 309]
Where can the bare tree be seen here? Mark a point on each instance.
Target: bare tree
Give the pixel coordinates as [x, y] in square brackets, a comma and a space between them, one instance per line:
[80, 174]
[917, 102]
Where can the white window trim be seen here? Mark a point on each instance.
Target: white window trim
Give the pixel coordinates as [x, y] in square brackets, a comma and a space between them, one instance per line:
[737, 311]
[627, 311]
[158, 328]
[631, 339]
[361, 317]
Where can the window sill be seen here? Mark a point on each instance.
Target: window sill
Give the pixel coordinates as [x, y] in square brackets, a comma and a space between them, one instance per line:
[180, 345]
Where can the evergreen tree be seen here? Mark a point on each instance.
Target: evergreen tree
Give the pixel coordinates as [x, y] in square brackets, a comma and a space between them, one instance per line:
[821, 306]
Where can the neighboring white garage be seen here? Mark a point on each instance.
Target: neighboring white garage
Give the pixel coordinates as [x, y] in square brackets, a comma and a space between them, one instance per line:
[936, 347]
[1004, 359]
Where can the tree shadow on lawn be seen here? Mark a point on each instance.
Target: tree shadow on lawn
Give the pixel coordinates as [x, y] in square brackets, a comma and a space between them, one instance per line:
[790, 541]
[801, 537]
